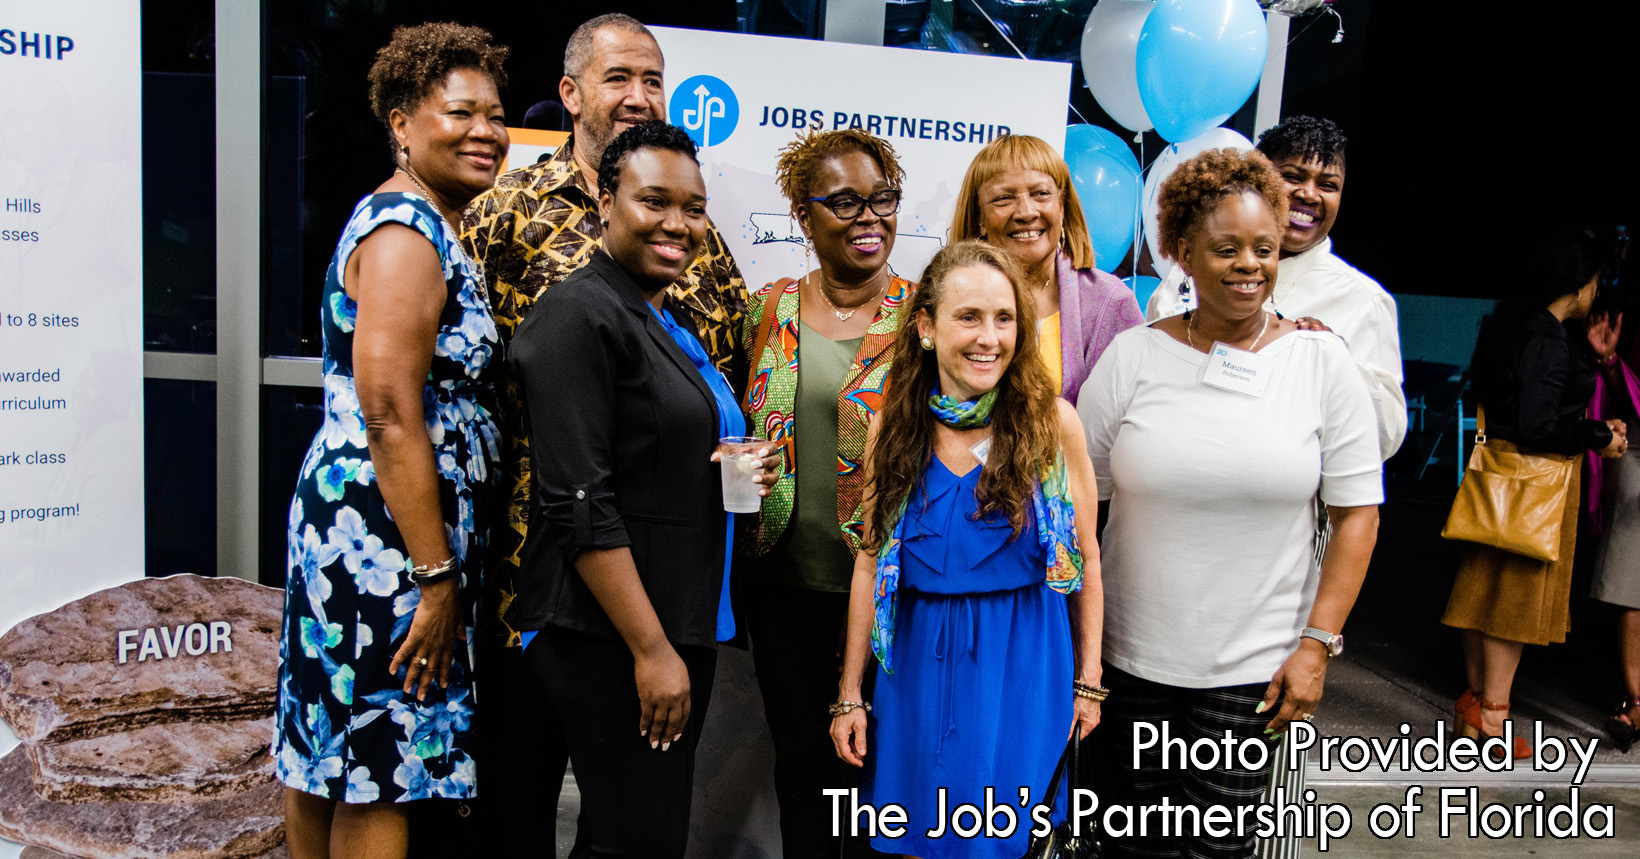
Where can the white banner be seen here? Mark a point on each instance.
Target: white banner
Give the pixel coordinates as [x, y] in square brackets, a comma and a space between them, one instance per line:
[744, 97]
[71, 429]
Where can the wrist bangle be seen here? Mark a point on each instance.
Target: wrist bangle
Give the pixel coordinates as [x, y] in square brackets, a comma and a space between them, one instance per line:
[427, 574]
[842, 708]
[1089, 691]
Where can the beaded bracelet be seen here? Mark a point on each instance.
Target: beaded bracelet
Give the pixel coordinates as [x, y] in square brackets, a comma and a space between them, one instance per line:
[1089, 691]
[844, 707]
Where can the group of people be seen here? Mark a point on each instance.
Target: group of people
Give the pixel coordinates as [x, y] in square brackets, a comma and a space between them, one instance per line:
[1011, 513]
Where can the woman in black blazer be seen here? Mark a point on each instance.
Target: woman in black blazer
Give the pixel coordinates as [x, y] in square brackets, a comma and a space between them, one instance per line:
[623, 570]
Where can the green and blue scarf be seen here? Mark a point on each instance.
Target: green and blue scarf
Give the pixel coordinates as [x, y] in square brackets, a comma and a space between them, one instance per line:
[1050, 504]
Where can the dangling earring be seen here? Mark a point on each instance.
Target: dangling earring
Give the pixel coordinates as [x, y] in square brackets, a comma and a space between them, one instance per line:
[928, 343]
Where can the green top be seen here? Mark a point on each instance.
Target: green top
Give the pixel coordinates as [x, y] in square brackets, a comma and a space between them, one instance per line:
[812, 554]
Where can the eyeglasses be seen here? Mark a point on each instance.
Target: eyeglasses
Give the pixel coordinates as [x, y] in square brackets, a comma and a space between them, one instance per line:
[848, 205]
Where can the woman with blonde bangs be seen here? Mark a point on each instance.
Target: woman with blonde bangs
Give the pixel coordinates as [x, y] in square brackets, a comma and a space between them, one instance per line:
[971, 587]
[1018, 196]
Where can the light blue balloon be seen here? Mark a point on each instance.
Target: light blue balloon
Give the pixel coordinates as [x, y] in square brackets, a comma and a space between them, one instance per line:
[1142, 286]
[1082, 137]
[1198, 61]
[1107, 180]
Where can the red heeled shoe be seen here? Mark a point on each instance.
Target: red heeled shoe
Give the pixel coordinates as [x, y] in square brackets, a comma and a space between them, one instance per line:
[1473, 730]
[1465, 701]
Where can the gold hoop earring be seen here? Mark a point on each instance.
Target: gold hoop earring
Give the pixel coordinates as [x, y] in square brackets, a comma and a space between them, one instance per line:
[928, 343]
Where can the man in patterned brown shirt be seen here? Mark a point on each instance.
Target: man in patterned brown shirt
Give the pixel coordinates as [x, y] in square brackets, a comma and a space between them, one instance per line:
[540, 223]
[536, 227]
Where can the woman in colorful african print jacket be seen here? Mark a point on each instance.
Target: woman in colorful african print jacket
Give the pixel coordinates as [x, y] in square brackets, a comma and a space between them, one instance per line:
[819, 347]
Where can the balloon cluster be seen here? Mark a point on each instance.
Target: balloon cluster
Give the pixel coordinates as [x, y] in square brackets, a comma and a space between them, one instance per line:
[1179, 66]
[1182, 67]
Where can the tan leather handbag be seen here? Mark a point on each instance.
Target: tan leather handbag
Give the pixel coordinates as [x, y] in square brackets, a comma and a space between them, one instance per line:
[1511, 500]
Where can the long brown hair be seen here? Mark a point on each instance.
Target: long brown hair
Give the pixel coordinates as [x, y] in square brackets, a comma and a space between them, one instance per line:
[1023, 152]
[1024, 422]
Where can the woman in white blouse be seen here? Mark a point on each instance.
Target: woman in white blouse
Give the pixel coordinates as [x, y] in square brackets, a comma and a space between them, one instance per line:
[1222, 426]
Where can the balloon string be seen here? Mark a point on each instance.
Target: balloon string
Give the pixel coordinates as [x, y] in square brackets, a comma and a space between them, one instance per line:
[1139, 210]
[1337, 37]
[1004, 34]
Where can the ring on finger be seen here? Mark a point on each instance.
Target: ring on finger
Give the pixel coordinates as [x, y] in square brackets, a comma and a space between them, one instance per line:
[421, 660]
[1309, 716]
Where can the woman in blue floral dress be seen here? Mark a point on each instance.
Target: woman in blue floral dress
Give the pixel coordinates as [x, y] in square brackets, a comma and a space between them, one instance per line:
[392, 507]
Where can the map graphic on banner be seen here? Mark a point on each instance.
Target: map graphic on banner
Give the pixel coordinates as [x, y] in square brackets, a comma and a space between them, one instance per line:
[71, 497]
[744, 97]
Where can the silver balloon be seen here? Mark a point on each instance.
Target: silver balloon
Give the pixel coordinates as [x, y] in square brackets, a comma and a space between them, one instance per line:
[1293, 8]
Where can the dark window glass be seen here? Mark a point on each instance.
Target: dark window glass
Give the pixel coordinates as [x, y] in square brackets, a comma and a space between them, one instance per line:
[178, 177]
[179, 457]
[293, 416]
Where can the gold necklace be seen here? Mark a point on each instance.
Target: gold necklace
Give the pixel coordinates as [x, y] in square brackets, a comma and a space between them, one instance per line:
[1190, 331]
[844, 317]
[417, 182]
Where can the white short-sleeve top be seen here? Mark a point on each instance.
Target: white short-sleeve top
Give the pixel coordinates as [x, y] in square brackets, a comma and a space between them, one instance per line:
[1208, 558]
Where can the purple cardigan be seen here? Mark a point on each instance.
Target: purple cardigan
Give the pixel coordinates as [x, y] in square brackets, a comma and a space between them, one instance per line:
[1094, 307]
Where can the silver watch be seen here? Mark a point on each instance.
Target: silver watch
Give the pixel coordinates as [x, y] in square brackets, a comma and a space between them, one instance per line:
[1333, 641]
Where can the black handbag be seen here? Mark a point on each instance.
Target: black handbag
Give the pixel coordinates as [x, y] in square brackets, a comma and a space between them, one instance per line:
[1061, 843]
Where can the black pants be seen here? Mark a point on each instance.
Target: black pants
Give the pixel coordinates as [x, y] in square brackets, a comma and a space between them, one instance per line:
[634, 799]
[797, 639]
[521, 770]
[1189, 714]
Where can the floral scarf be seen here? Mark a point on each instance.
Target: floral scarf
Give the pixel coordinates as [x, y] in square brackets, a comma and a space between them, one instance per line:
[1051, 507]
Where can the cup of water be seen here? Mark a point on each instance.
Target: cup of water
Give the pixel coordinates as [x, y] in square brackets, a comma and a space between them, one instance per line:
[739, 460]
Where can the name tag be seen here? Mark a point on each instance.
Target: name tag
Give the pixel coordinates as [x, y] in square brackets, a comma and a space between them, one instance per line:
[1236, 370]
[981, 450]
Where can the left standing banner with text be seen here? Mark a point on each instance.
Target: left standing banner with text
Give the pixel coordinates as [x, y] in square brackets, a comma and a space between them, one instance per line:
[71, 428]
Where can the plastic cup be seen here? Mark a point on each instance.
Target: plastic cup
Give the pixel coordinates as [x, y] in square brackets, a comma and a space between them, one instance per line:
[739, 463]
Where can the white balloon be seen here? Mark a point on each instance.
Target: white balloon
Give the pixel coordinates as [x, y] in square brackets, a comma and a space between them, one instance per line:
[1110, 42]
[1163, 167]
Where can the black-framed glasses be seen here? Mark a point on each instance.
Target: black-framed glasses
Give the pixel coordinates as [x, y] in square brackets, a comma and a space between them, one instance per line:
[847, 205]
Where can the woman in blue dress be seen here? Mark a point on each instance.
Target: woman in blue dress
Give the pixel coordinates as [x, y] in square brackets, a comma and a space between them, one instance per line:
[392, 506]
[971, 587]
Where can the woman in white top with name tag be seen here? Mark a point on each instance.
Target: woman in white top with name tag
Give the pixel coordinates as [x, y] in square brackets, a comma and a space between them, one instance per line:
[1223, 424]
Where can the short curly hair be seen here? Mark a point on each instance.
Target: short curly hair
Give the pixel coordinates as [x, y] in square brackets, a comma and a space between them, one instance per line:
[800, 160]
[1199, 184]
[1304, 138]
[419, 58]
[654, 134]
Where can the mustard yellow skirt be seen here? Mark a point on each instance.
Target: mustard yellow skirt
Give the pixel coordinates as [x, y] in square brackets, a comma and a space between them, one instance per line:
[1516, 598]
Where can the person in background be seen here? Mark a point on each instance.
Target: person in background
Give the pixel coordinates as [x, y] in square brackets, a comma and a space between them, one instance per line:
[1534, 384]
[1225, 626]
[622, 590]
[823, 356]
[1316, 288]
[1616, 514]
[971, 588]
[375, 685]
[539, 225]
[1017, 195]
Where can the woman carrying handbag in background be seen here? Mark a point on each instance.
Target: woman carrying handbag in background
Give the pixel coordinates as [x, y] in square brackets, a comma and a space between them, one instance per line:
[1534, 386]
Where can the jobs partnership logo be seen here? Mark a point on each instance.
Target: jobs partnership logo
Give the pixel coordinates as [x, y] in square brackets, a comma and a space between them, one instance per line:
[705, 107]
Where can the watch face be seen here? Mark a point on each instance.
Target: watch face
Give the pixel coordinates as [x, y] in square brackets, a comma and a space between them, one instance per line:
[1336, 646]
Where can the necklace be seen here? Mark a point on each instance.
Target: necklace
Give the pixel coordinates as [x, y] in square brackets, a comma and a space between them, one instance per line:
[844, 317]
[1190, 330]
[416, 182]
